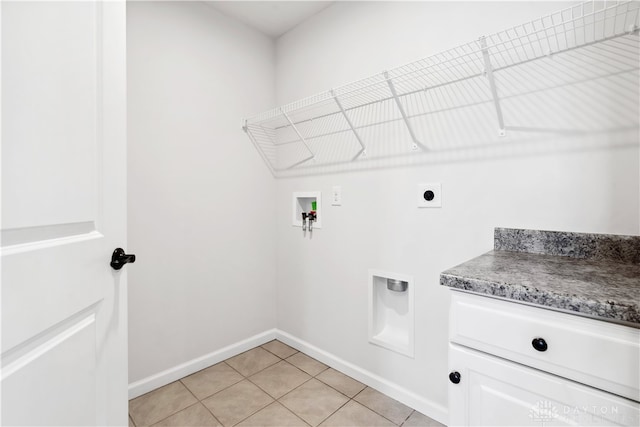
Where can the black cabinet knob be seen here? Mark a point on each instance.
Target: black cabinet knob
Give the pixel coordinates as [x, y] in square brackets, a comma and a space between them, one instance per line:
[454, 377]
[539, 344]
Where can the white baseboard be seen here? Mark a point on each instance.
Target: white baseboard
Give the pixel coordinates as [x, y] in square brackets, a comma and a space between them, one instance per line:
[427, 407]
[170, 375]
[409, 398]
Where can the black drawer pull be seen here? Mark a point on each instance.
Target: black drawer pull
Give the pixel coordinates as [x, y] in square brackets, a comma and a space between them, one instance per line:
[539, 344]
[454, 377]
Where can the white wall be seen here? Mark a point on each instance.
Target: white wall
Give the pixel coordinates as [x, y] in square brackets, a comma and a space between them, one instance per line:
[212, 228]
[322, 282]
[201, 203]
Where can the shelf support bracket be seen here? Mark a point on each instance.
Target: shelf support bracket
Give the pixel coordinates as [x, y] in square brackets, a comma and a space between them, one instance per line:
[392, 88]
[492, 84]
[363, 149]
[312, 156]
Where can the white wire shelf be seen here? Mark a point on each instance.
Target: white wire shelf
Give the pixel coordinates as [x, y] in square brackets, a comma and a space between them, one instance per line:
[573, 71]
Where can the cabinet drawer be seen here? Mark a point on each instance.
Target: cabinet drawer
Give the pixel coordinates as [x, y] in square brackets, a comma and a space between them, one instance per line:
[593, 352]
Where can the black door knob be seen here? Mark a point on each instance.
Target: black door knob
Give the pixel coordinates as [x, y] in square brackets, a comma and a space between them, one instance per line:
[454, 377]
[119, 259]
[539, 344]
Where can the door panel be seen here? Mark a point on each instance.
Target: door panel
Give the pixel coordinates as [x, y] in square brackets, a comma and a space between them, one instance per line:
[55, 282]
[45, 371]
[63, 213]
[50, 75]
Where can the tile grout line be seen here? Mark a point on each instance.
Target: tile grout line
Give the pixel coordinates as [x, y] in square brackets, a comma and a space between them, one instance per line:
[255, 412]
[369, 408]
[308, 373]
[171, 415]
[317, 379]
[292, 390]
[189, 390]
[312, 378]
[341, 406]
[383, 416]
[243, 379]
[344, 394]
[212, 414]
[283, 358]
[278, 398]
[200, 400]
[222, 389]
[247, 377]
[234, 369]
[293, 413]
[405, 420]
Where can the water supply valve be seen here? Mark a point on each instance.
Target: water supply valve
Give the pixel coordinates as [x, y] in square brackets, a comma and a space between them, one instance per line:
[304, 222]
[312, 217]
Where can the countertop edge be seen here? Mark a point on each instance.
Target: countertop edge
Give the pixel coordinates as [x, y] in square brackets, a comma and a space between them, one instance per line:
[606, 311]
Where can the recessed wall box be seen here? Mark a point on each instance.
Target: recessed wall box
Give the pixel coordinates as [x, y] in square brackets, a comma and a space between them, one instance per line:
[391, 318]
[304, 201]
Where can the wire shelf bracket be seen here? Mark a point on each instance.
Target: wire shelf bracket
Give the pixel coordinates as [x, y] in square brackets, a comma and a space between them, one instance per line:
[392, 88]
[363, 149]
[488, 69]
[293, 126]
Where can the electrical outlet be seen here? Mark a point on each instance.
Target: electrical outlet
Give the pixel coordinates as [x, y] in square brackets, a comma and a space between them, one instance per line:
[429, 195]
[336, 196]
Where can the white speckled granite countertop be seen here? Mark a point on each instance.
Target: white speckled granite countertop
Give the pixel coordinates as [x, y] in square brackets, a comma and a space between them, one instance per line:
[593, 275]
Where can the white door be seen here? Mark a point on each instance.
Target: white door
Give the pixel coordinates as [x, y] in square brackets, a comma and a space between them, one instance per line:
[496, 392]
[64, 324]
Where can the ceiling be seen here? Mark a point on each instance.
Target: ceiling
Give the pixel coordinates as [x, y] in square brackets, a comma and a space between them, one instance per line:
[273, 18]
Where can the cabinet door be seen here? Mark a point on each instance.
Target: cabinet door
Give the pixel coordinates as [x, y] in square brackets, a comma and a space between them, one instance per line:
[496, 392]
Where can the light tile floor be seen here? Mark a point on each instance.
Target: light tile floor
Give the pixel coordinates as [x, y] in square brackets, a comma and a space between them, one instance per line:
[271, 385]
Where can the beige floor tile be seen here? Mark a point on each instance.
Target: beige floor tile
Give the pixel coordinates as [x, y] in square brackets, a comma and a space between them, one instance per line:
[354, 414]
[160, 403]
[280, 349]
[384, 405]
[313, 401]
[279, 379]
[194, 416]
[420, 420]
[252, 361]
[341, 382]
[250, 402]
[274, 415]
[237, 402]
[211, 380]
[309, 365]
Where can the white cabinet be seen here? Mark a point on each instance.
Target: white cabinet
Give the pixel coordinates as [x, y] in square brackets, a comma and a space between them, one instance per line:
[504, 380]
